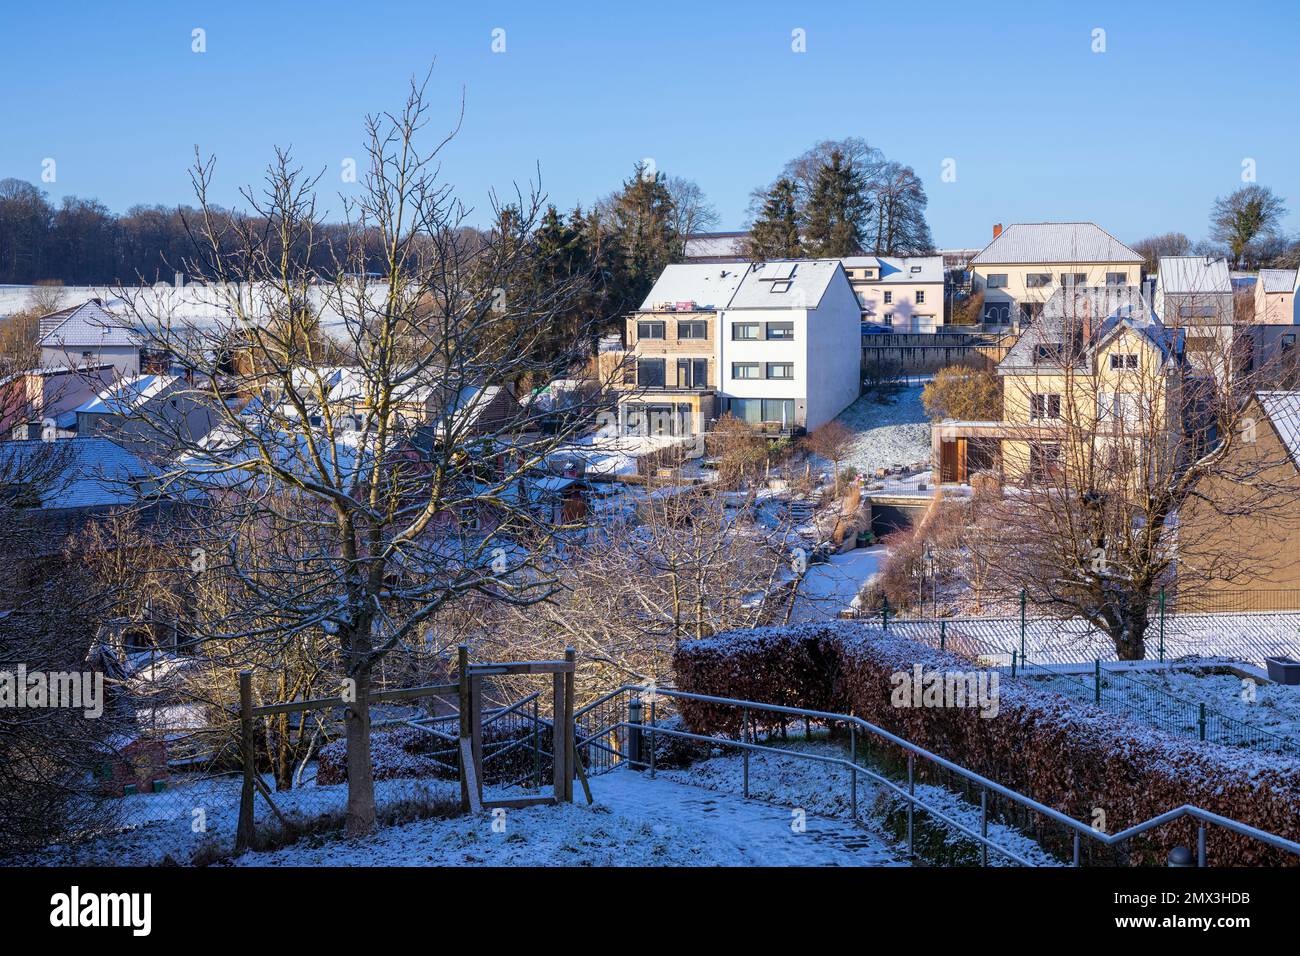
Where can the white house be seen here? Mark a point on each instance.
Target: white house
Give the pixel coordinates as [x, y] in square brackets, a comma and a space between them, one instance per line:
[88, 334]
[1194, 293]
[790, 345]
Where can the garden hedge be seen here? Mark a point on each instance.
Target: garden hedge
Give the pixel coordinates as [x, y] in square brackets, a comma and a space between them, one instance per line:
[1062, 752]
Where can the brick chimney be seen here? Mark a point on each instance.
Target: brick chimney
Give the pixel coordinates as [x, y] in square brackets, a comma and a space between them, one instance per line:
[997, 229]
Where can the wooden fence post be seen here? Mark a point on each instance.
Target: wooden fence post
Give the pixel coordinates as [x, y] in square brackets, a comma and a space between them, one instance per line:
[570, 731]
[558, 748]
[244, 831]
[462, 656]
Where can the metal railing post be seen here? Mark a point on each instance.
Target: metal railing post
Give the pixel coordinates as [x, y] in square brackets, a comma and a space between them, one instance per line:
[537, 748]
[1013, 663]
[911, 804]
[1096, 681]
[653, 701]
[1200, 846]
[984, 826]
[853, 771]
[634, 733]
[1162, 625]
[1200, 721]
[1076, 848]
[1022, 622]
[745, 737]
[943, 636]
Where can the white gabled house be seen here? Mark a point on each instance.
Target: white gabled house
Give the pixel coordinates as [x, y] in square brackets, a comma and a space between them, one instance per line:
[790, 345]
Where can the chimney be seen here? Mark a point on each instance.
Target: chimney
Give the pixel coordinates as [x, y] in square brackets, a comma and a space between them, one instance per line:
[997, 229]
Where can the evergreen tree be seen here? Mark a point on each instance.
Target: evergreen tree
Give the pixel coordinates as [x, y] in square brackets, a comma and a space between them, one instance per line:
[838, 210]
[642, 213]
[775, 233]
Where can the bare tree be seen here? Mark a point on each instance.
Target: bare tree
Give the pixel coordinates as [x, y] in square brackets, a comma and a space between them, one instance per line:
[832, 441]
[1119, 428]
[405, 480]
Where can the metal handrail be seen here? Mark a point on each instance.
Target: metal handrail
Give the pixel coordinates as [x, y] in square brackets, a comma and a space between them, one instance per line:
[1080, 829]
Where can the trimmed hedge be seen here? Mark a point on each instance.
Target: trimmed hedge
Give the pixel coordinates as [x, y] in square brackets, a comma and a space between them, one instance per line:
[1064, 753]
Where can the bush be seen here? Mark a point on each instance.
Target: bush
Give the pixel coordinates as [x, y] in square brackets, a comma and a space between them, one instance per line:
[1061, 752]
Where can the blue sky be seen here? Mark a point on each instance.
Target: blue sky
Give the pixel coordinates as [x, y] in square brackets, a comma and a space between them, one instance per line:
[1139, 138]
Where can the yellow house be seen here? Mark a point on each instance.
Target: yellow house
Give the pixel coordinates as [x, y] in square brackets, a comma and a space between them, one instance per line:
[1026, 263]
[1097, 373]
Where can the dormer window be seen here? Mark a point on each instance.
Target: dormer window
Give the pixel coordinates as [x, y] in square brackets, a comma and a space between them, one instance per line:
[781, 286]
[1048, 353]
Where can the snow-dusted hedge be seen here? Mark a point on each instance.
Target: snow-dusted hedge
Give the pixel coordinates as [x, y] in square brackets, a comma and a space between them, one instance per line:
[1062, 752]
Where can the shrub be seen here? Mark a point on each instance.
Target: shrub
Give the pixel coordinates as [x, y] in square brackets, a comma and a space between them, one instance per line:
[1059, 751]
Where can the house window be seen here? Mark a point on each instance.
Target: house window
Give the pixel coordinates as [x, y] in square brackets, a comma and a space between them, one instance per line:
[756, 410]
[889, 297]
[1044, 460]
[692, 330]
[744, 332]
[744, 370]
[1123, 360]
[780, 370]
[780, 286]
[1037, 280]
[848, 273]
[1047, 354]
[920, 296]
[780, 331]
[997, 313]
[1074, 278]
[650, 373]
[1117, 406]
[868, 273]
[1116, 278]
[1044, 406]
[693, 373]
[650, 330]
[915, 269]
[1288, 342]
[997, 280]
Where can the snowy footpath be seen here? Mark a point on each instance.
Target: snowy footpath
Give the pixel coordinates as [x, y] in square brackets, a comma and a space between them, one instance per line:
[636, 821]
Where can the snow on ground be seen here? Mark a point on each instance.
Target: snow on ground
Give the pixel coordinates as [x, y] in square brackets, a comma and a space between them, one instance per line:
[826, 789]
[834, 586]
[189, 817]
[1275, 709]
[888, 434]
[636, 821]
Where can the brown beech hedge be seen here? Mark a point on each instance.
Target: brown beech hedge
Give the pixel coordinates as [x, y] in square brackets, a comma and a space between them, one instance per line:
[1062, 752]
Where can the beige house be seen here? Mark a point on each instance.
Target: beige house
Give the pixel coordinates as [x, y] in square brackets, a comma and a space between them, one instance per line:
[1096, 363]
[1275, 297]
[1265, 574]
[670, 380]
[904, 294]
[1027, 262]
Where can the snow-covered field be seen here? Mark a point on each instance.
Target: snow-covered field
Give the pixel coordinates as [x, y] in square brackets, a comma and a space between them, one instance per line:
[896, 433]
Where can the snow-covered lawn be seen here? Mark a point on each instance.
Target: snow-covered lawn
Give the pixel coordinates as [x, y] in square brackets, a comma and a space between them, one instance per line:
[1275, 708]
[896, 433]
[834, 586]
[636, 821]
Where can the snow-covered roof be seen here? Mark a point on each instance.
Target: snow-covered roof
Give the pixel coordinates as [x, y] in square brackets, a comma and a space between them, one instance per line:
[1277, 280]
[716, 245]
[94, 472]
[787, 284]
[909, 269]
[1184, 275]
[128, 394]
[1283, 411]
[709, 285]
[1108, 310]
[1066, 242]
[89, 324]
